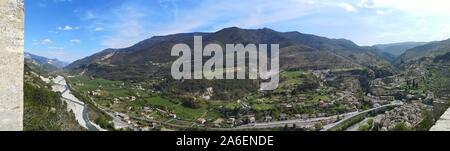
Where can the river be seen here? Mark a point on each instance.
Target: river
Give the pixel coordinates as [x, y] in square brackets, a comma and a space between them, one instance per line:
[78, 108]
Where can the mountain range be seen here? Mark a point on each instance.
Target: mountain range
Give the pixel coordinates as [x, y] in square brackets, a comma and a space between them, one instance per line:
[151, 57]
[43, 62]
[392, 51]
[432, 49]
[397, 49]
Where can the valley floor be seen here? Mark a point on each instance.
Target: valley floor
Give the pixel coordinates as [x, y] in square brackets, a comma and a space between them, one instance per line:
[136, 106]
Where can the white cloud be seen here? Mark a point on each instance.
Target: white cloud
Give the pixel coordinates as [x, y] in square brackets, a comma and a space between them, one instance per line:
[35, 42]
[40, 4]
[46, 41]
[129, 27]
[75, 41]
[98, 29]
[67, 28]
[409, 20]
[347, 7]
[55, 48]
[89, 16]
[57, 1]
[366, 4]
[410, 6]
[383, 12]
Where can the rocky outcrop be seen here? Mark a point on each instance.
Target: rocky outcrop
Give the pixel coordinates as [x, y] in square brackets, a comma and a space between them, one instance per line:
[11, 64]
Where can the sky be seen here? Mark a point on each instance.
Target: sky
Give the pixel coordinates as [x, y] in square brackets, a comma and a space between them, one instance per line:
[72, 29]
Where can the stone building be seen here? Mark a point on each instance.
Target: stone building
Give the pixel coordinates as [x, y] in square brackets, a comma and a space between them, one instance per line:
[11, 64]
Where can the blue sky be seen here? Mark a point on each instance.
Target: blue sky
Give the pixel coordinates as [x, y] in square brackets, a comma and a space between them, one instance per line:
[72, 29]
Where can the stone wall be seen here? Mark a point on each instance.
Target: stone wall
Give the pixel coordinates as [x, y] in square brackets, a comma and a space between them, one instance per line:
[443, 124]
[11, 64]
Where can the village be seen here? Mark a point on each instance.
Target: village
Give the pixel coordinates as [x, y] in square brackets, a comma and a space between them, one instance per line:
[336, 95]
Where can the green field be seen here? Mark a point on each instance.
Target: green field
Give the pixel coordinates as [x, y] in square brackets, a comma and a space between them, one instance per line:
[263, 107]
[181, 111]
[114, 89]
[290, 79]
[111, 88]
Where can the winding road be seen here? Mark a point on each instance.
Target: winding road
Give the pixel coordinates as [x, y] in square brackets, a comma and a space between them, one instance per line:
[329, 126]
[311, 122]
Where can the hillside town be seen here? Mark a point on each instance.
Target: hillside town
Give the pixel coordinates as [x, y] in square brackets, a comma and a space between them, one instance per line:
[346, 101]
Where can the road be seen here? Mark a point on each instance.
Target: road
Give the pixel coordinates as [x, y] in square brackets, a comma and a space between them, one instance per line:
[298, 122]
[119, 122]
[329, 126]
[311, 122]
[357, 125]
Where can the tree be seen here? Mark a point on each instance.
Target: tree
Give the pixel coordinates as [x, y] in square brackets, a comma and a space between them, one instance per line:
[191, 102]
[370, 122]
[364, 127]
[318, 126]
[401, 127]
[307, 85]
